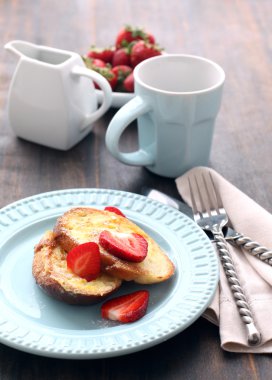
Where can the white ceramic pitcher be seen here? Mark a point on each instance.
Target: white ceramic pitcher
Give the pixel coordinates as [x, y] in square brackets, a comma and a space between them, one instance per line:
[51, 102]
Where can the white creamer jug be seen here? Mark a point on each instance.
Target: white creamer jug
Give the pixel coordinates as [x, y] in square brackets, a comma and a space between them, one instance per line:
[52, 99]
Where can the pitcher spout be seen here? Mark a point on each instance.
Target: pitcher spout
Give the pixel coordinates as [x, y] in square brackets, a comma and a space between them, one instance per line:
[22, 48]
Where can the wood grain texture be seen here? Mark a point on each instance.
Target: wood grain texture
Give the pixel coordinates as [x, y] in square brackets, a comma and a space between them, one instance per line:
[236, 34]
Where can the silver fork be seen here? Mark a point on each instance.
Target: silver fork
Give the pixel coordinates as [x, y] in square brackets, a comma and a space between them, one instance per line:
[211, 216]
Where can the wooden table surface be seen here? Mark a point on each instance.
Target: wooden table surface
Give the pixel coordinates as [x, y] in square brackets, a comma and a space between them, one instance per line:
[237, 35]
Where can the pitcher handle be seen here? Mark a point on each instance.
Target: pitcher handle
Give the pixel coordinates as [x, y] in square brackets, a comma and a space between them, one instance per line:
[105, 87]
[126, 115]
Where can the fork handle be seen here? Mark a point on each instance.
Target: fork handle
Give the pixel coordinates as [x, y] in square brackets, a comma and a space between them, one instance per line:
[254, 248]
[253, 335]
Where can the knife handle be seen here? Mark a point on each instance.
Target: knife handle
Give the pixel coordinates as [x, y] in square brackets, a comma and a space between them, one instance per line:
[253, 334]
[254, 248]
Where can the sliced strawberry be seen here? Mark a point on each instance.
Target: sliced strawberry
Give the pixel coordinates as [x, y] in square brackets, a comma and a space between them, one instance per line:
[126, 246]
[84, 260]
[127, 308]
[115, 210]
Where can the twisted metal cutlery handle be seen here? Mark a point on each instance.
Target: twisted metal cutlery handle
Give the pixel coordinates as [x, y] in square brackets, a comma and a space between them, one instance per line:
[254, 248]
[254, 336]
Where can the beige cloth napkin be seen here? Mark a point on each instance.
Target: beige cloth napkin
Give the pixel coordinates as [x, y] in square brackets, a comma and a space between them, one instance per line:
[255, 276]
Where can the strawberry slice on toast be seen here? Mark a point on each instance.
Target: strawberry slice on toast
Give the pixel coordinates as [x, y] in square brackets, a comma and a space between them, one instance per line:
[85, 224]
[115, 210]
[127, 246]
[84, 260]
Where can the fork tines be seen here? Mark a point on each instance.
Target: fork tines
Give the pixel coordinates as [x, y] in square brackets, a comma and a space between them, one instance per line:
[209, 199]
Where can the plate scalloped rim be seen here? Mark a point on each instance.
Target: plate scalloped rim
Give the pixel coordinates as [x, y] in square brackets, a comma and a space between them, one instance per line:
[175, 314]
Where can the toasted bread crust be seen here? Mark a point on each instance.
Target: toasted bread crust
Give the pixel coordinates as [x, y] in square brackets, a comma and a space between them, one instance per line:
[83, 224]
[52, 275]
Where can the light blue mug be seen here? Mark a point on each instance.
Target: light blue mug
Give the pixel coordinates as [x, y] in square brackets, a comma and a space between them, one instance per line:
[177, 100]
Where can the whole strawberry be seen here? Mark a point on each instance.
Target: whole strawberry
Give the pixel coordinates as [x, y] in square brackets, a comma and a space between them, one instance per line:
[121, 57]
[122, 72]
[107, 73]
[129, 34]
[105, 54]
[142, 50]
[93, 63]
[128, 84]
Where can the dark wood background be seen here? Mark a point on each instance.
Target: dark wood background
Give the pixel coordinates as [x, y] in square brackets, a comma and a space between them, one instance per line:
[238, 36]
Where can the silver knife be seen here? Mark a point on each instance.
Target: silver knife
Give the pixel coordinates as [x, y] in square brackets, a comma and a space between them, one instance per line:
[234, 237]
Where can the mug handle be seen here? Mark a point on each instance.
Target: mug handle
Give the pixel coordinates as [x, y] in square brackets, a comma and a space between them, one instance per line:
[126, 115]
[105, 87]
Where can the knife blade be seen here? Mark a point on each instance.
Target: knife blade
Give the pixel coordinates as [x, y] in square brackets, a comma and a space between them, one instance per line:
[232, 236]
[170, 201]
[179, 205]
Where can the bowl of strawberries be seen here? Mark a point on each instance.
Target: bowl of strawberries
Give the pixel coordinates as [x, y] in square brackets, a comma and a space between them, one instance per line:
[117, 62]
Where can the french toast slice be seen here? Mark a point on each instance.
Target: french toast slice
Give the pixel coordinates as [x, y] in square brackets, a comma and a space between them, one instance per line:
[50, 271]
[83, 224]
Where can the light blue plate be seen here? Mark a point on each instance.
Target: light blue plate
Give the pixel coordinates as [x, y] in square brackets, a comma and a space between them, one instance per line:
[33, 322]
